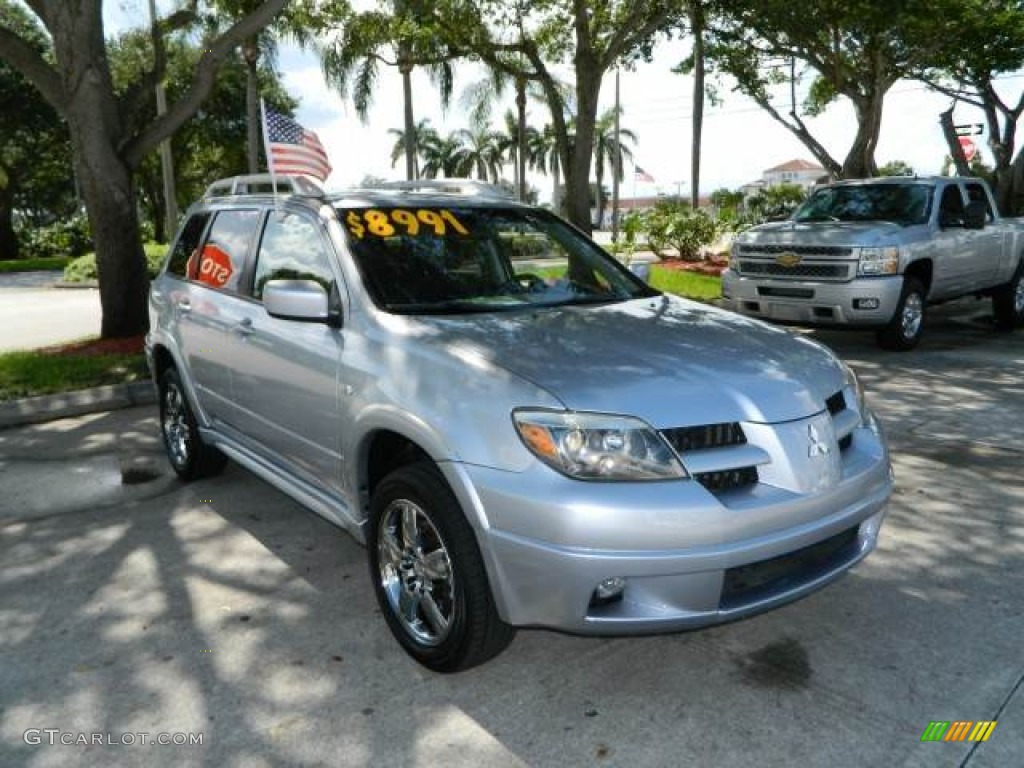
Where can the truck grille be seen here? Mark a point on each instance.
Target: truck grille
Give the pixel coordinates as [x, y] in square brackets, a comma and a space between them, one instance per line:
[719, 440]
[801, 250]
[837, 271]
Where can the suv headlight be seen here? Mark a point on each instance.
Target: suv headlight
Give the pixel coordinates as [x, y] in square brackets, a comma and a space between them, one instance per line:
[597, 446]
[879, 261]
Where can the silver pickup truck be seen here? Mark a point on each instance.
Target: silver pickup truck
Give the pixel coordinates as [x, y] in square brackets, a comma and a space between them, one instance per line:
[874, 253]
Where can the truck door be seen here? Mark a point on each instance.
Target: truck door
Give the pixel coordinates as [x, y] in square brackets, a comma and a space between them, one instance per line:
[987, 242]
[954, 247]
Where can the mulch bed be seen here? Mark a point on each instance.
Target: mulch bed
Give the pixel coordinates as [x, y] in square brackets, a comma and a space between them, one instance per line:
[95, 347]
[712, 266]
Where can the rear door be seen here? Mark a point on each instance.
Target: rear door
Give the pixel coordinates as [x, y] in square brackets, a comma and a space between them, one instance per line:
[286, 372]
[208, 308]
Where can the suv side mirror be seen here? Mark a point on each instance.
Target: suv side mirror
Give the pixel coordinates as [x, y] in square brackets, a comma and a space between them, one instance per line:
[304, 300]
[975, 214]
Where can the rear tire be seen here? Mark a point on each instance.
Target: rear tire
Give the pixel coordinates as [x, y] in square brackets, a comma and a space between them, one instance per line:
[428, 574]
[1008, 302]
[907, 324]
[190, 457]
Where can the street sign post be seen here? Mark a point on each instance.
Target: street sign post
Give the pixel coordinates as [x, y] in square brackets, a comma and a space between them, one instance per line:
[969, 129]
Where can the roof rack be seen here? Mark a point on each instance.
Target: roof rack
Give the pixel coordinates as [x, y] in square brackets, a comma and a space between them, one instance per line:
[449, 186]
[263, 184]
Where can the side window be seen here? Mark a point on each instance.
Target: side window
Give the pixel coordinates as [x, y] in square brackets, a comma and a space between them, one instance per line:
[951, 208]
[976, 194]
[187, 245]
[292, 249]
[222, 259]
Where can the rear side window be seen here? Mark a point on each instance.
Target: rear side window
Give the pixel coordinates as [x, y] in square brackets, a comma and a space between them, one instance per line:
[220, 263]
[188, 244]
[292, 249]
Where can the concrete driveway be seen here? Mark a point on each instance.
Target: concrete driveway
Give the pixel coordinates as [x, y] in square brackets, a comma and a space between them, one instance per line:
[34, 314]
[223, 609]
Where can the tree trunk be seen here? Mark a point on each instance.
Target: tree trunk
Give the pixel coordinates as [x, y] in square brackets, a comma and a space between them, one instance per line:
[410, 123]
[251, 55]
[697, 120]
[8, 237]
[860, 160]
[556, 193]
[577, 173]
[599, 191]
[955, 150]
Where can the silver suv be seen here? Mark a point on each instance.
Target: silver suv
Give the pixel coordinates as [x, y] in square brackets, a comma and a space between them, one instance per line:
[521, 431]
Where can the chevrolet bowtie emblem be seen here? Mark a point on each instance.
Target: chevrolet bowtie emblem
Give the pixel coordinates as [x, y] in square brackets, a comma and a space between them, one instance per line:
[818, 446]
[788, 259]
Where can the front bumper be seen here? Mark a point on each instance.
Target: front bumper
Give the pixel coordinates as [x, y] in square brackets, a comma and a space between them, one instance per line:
[689, 558]
[813, 303]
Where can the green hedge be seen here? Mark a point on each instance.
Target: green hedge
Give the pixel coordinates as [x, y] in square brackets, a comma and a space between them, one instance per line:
[32, 265]
[83, 269]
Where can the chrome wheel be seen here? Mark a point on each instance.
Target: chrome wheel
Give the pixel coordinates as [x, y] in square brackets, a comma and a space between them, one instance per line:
[416, 572]
[175, 424]
[912, 315]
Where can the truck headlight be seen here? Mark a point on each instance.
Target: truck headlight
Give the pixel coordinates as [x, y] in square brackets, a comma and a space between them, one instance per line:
[597, 446]
[734, 258]
[879, 261]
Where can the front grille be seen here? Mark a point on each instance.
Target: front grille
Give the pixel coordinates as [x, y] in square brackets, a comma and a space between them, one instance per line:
[751, 583]
[801, 250]
[720, 437]
[706, 436]
[814, 271]
[716, 482]
[836, 403]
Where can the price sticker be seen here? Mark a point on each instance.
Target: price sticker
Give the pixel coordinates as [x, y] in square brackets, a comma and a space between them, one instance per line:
[403, 221]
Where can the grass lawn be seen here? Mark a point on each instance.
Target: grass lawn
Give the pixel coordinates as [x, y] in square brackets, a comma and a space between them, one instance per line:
[31, 265]
[690, 285]
[69, 367]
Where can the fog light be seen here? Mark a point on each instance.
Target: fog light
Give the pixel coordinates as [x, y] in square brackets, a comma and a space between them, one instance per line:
[865, 303]
[610, 589]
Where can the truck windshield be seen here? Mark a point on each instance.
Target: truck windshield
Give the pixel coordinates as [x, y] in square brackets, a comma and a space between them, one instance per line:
[904, 204]
[433, 260]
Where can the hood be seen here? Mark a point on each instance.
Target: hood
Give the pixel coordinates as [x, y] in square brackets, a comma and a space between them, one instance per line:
[866, 233]
[668, 361]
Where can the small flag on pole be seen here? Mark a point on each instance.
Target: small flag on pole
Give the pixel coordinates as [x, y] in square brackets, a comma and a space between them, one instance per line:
[639, 174]
[291, 149]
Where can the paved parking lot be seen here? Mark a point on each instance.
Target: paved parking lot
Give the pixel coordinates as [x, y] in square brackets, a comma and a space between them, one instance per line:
[223, 609]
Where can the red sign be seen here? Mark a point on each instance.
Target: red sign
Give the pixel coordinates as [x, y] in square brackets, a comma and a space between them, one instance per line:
[215, 267]
[968, 146]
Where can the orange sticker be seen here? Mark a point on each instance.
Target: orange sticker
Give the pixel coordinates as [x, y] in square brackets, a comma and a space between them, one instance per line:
[215, 269]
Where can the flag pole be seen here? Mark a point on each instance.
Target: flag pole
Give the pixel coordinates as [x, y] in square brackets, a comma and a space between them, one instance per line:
[266, 150]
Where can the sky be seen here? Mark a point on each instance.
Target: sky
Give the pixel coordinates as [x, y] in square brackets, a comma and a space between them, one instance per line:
[739, 139]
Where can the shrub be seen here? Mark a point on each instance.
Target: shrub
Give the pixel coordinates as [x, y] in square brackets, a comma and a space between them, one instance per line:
[83, 269]
[64, 238]
[677, 226]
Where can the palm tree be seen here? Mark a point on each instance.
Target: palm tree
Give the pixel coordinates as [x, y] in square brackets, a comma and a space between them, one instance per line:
[441, 156]
[543, 156]
[392, 38]
[605, 155]
[421, 136]
[481, 153]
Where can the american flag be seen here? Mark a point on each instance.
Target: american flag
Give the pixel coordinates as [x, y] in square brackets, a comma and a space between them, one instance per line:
[641, 175]
[293, 149]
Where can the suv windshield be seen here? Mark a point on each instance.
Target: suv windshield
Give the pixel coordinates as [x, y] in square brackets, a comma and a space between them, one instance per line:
[434, 260]
[903, 204]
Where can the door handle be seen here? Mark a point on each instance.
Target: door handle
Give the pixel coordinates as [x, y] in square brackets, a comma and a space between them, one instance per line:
[185, 306]
[244, 327]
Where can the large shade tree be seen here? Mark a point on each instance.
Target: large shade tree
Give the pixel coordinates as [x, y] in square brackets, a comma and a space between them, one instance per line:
[74, 76]
[856, 49]
[531, 40]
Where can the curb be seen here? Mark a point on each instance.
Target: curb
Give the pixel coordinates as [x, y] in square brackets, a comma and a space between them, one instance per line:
[34, 410]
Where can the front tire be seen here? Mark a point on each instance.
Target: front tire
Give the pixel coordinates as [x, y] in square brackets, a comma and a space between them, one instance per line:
[907, 324]
[428, 574]
[1008, 302]
[190, 457]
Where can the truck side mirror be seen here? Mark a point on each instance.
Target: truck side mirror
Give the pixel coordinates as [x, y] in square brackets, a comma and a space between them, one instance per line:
[975, 213]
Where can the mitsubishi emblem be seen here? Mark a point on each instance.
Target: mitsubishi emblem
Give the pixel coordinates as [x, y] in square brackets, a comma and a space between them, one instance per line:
[818, 447]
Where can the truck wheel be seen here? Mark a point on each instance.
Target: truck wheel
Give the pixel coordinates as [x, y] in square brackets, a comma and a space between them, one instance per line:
[428, 574]
[904, 329]
[1008, 302]
[188, 454]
